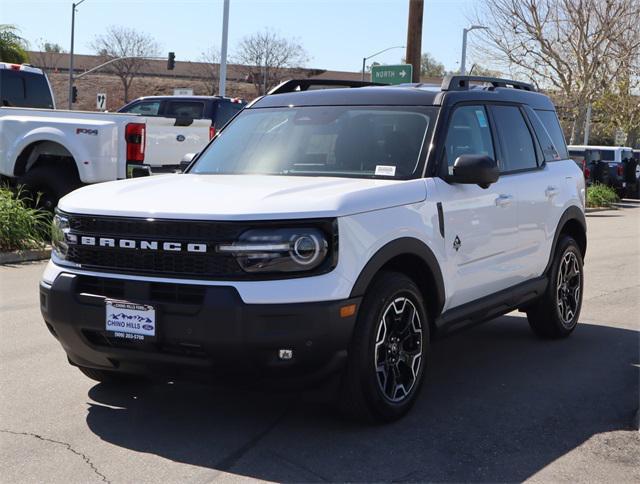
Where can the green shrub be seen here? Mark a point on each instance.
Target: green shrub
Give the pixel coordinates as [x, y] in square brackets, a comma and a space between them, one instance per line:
[601, 196]
[21, 227]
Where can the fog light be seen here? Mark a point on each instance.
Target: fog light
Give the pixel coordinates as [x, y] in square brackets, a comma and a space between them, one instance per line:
[285, 354]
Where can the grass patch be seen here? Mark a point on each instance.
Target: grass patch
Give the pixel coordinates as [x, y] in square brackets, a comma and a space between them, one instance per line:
[21, 227]
[601, 196]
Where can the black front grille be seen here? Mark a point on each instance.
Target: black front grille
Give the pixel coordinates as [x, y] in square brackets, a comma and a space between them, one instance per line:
[175, 263]
[135, 260]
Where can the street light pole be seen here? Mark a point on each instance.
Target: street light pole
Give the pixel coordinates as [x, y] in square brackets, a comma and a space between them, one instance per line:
[364, 59]
[73, 26]
[223, 49]
[463, 60]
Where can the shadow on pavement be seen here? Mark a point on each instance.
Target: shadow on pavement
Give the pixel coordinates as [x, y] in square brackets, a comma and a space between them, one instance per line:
[498, 405]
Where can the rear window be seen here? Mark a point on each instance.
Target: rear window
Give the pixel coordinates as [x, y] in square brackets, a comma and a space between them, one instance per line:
[552, 125]
[185, 109]
[607, 155]
[225, 111]
[24, 89]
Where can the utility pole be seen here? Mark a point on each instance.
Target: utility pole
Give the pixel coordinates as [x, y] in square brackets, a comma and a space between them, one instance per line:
[587, 126]
[463, 59]
[414, 37]
[223, 50]
[73, 26]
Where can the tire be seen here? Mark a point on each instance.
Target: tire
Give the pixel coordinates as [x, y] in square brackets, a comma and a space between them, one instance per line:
[106, 376]
[47, 184]
[385, 358]
[555, 314]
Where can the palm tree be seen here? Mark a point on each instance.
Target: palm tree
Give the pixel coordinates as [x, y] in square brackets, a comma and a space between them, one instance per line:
[12, 46]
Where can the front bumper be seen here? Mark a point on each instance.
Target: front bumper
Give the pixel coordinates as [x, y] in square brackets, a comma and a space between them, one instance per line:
[201, 330]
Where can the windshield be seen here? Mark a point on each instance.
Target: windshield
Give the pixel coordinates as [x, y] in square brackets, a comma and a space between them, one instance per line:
[344, 141]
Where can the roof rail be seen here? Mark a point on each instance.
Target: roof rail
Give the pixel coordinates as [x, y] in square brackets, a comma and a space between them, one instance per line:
[461, 83]
[294, 85]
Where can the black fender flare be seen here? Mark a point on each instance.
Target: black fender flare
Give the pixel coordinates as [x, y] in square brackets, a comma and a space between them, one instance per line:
[572, 213]
[399, 247]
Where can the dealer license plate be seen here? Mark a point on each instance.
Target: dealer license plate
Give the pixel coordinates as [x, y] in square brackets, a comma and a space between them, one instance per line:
[130, 321]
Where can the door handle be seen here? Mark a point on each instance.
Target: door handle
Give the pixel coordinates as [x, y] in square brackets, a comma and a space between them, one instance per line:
[551, 191]
[504, 200]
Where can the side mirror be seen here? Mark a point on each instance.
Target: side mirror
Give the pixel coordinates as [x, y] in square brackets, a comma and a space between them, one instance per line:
[186, 161]
[475, 170]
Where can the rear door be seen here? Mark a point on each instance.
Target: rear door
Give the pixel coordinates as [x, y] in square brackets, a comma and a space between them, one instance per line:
[535, 171]
[480, 223]
[24, 89]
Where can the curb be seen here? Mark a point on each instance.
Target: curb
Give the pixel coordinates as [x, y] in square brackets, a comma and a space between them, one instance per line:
[598, 209]
[18, 256]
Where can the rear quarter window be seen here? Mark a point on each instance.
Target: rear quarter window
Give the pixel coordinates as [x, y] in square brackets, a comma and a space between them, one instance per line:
[550, 122]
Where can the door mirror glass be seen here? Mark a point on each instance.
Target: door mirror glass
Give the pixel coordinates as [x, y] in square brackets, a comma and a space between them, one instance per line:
[186, 161]
[479, 170]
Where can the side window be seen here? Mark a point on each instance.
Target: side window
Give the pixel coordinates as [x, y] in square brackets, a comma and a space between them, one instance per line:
[185, 109]
[468, 134]
[147, 108]
[518, 150]
[550, 121]
[13, 88]
[38, 94]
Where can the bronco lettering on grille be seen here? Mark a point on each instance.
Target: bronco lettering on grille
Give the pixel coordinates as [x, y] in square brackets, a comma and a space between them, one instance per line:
[106, 242]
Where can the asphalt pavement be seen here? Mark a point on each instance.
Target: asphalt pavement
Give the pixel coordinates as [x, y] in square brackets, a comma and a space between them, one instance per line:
[498, 404]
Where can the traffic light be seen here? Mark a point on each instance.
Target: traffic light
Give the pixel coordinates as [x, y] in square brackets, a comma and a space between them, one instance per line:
[171, 61]
[74, 94]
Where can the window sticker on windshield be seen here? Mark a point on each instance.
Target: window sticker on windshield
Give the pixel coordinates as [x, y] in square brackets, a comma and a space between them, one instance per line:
[385, 170]
[482, 120]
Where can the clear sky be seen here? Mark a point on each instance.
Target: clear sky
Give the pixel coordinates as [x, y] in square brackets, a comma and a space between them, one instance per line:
[335, 33]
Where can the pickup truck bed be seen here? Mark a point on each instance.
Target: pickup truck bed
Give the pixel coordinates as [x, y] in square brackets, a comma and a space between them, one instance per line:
[53, 151]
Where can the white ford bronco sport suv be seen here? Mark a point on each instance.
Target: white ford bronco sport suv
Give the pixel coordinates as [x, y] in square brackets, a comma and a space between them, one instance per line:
[327, 231]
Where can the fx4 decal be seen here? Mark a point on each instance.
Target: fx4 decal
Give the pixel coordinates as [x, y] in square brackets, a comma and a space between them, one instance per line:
[92, 132]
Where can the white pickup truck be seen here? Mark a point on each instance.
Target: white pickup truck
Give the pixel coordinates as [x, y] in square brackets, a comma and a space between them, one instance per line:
[52, 152]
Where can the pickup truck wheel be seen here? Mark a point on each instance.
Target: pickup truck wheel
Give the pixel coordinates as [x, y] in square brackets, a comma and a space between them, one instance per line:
[556, 314]
[47, 184]
[388, 351]
[105, 376]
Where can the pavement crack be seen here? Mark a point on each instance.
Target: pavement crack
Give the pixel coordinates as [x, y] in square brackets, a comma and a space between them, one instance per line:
[64, 444]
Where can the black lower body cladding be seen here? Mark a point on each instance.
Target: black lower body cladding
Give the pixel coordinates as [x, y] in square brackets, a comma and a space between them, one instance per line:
[200, 330]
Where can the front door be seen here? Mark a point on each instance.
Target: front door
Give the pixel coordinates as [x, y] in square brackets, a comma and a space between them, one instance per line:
[480, 223]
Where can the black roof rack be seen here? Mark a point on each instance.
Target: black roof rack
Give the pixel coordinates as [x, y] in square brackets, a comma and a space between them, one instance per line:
[293, 85]
[461, 83]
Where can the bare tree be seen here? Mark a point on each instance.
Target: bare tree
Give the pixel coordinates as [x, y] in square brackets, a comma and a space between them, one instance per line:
[48, 57]
[125, 42]
[572, 47]
[208, 70]
[269, 58]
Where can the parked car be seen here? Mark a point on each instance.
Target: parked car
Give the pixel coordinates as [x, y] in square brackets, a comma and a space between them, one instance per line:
[24, 86]
[219, 110]
[327, 232]
[608, 165]
[51, 152]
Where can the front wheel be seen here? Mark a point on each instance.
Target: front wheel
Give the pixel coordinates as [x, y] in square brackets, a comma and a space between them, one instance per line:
[388, 353]
[556, 314]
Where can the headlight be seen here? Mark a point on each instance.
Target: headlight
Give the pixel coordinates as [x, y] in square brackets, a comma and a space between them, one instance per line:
[60, 236]
[279, 250]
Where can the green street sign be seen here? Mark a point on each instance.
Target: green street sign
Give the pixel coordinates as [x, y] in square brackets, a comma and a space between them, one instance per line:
[398, 74]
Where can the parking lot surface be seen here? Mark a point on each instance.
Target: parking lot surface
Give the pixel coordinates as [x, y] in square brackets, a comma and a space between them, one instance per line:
[498, 404]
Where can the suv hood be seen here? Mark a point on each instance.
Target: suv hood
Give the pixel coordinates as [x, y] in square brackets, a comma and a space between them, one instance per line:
[241, 197]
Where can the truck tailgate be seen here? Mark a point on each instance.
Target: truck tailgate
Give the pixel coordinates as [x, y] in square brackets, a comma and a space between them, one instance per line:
[167, 143]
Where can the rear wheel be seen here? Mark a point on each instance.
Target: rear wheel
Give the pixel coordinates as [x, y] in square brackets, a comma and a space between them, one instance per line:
[47, 184]
[388, 352]
[556, 313]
